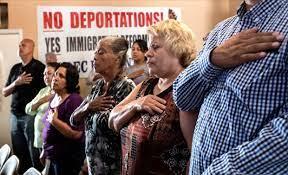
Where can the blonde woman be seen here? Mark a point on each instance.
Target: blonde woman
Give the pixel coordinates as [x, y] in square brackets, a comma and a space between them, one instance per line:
[155, 135]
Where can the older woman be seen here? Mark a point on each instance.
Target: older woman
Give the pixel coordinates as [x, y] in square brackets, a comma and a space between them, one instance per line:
[103, 148]
[138, 71]
[39, 105]
[155, 135]
[63, 144]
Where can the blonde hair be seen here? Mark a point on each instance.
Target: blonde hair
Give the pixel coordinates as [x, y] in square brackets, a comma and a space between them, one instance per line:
[178, 38]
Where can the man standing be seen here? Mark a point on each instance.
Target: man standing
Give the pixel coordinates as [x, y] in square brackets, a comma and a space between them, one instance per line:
[240, 83]
[24, 82]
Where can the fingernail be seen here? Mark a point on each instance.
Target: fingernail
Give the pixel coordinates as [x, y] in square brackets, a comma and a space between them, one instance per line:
[278, 35]
[262, 54]
[275, 44]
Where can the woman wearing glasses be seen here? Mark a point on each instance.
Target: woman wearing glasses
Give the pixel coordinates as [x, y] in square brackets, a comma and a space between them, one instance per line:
[156, 136]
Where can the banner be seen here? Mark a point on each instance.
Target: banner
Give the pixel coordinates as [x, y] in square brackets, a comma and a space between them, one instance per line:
[73, 32]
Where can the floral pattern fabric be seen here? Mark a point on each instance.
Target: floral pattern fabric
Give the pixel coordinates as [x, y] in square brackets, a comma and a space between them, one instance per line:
[103, 147]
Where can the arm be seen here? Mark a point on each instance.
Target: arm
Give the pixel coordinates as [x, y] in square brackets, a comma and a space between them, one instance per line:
[33, 107]
[187, 124]
[78, 116]
[192, 84]
[266, 154]
[136, 74]
[63, 127]
[100, 103]
[22, 79]
[124, 111]
[41, 101]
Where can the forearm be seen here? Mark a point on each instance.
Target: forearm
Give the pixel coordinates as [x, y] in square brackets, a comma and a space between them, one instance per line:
[66, 130]
[36, 105]
[8, 90]
[78, 116]
[120, 116]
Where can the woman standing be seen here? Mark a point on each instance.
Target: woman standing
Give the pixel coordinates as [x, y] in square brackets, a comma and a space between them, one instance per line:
[39, 105]
[155, 135]
[103, 147]
[63, 144]
[138, 71]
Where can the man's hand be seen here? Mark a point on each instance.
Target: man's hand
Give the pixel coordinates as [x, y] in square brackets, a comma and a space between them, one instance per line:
[246, 46]
[23, 79]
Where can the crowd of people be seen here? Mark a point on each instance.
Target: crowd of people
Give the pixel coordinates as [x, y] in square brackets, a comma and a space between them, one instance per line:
[223, 110]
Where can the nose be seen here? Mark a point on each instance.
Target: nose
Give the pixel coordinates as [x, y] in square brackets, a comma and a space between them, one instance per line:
[149, 53]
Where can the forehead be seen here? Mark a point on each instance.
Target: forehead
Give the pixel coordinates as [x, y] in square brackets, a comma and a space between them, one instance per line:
[61, 70]
[25, 43]
[105, 43]
[49, 68]
[135, 45]
[155, 39]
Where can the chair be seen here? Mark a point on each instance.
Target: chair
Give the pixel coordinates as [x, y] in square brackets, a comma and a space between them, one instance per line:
[32, 171]
[10, 167]
[5, 151]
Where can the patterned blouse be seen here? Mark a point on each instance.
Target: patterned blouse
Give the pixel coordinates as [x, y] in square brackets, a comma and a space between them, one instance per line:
[103, 147]
[154, 144]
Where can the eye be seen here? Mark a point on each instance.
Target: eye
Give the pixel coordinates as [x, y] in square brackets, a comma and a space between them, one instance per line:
[155, 46]
[99, 52]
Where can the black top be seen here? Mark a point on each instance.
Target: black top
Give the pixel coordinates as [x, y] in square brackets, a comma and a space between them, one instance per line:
[23, 94]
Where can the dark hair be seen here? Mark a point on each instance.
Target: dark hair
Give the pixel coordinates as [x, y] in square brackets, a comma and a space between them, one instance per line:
[72, 77]
[53, 64]
[142, 44]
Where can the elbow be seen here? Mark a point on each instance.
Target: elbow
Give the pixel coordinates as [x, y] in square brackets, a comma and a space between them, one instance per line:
[76, 135]
[113, 123]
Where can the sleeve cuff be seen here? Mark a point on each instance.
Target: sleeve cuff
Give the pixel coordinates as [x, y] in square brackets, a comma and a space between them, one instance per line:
[207, 69]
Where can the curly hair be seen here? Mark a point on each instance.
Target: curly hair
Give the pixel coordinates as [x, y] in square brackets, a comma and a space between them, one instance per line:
[178, 38]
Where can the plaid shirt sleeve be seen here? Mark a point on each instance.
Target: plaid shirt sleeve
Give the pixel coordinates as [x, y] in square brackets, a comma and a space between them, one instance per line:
[266, 154]
[196, 79]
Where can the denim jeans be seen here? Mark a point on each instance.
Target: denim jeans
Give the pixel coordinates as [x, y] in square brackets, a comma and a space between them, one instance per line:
[22, 137]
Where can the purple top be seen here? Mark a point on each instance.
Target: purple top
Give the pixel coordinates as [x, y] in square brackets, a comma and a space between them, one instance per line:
[57, 145]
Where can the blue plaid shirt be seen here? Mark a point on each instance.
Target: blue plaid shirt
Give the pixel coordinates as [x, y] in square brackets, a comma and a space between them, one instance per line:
[242, 126]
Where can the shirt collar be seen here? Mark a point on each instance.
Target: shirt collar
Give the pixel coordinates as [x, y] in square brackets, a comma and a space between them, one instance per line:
[260, 10]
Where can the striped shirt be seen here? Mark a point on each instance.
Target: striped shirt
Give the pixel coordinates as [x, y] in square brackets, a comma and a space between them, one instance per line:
[242, 126]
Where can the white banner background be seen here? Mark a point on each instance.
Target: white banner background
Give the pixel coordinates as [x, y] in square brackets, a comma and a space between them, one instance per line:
[72, 32]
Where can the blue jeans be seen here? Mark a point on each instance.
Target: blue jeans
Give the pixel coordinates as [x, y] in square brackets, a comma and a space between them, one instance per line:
[22, 137]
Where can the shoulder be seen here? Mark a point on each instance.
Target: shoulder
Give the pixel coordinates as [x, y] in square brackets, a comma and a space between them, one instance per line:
[16, 66]
[126, 82]
[75, 97]
[44, 90]
[98, 85]
[149, 81]
[38, 63]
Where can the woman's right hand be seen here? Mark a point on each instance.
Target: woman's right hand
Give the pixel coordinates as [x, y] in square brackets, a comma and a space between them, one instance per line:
[46, 98]
[101, 103]
[150, 104]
